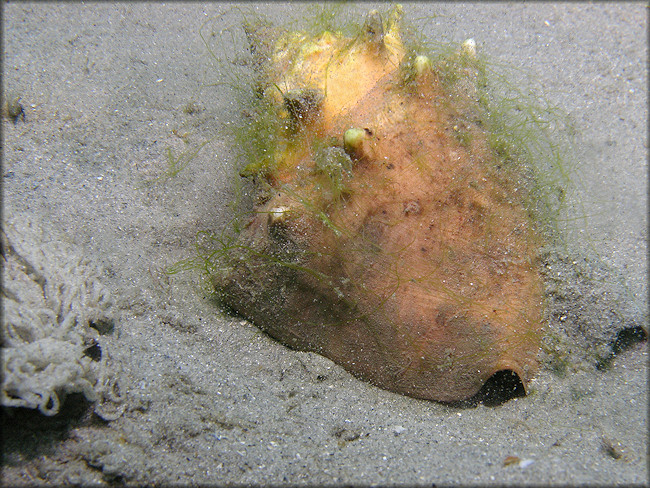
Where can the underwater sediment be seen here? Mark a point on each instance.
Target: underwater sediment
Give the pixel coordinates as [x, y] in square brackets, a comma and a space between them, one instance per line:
[391, 232]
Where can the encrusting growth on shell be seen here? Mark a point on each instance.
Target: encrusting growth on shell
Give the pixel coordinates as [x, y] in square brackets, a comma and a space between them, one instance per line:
[390, 240]
[422, 64]
[469, 47]
[353, 139]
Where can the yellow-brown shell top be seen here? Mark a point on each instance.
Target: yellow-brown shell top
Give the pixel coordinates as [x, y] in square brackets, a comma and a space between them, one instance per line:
[392, 240]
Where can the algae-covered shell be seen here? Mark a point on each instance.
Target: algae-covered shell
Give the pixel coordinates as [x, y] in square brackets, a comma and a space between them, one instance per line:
[414, 265]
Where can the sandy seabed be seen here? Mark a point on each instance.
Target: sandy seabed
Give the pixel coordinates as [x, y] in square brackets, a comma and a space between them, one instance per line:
[200, 397]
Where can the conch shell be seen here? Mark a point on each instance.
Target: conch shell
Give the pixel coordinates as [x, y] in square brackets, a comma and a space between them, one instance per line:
[389, 235]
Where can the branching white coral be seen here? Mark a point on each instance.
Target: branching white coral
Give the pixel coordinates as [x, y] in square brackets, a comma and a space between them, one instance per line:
[55, 314]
